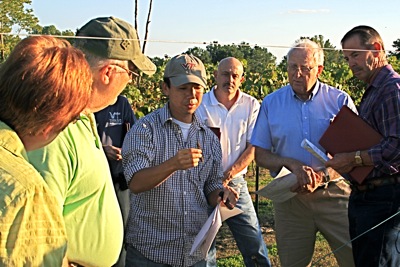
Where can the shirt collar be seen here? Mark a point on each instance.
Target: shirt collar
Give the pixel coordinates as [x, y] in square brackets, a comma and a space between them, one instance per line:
[166, 117]
[214, 100]
[10, 141]
[313, 92]
[383, 73]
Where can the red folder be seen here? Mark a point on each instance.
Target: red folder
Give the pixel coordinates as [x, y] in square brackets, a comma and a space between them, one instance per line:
[347, 133]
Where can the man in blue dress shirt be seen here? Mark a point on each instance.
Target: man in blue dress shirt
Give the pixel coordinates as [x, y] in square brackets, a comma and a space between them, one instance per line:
[304, 109]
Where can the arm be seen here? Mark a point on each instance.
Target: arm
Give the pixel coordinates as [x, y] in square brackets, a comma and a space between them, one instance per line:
[265, 158]
[242, 162]
[384, 156]
[385, 118]
[345, 162]
[229, 197]
[42, 228]
[148, 178]
[128, 119]
[112, 152]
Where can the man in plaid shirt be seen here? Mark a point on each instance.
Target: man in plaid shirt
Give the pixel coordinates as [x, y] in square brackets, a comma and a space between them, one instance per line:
[172, 164]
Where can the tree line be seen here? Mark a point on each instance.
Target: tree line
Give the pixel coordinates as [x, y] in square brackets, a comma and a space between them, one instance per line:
[263, 74]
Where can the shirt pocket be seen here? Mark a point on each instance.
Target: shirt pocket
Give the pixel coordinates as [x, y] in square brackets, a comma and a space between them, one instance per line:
[204, 168]
[241, 133]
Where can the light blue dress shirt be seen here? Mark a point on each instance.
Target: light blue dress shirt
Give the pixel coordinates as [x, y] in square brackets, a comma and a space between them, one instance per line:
[285, 120]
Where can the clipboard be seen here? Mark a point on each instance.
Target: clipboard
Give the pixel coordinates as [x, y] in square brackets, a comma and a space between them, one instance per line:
[348, 132]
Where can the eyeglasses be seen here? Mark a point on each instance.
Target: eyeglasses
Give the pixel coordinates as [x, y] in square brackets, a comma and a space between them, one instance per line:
[128, 71]
[303, 69]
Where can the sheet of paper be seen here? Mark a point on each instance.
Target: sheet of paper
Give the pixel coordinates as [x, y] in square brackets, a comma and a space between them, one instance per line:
[278, 190]
[313, 149]
[227, 213]
[210, 228]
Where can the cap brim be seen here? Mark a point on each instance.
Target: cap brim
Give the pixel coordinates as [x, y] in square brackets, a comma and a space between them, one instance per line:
[144, 64]
[182, 79]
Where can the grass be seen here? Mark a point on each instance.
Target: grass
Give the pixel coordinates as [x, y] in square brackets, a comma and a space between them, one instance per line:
[229, 256]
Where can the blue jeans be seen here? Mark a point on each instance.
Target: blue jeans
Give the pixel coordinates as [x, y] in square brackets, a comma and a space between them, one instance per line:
[246, 231]
[381, 245]
[135, 259]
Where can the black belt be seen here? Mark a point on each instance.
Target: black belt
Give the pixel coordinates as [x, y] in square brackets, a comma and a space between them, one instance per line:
[372, 183]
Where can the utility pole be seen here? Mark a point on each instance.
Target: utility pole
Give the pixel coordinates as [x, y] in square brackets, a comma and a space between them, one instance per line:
[2, 56]
[2, 52]
[147, 26]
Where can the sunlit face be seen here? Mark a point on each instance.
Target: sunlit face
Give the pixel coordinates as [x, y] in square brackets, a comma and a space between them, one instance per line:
[303, 71]
[121, 76]
[362, 63]
[108, 84]
[229, 75]
[184, 100]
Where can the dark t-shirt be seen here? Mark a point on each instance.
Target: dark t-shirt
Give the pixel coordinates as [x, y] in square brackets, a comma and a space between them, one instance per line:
[113, 122]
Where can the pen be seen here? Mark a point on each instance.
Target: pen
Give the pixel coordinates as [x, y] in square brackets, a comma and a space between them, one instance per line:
[199, 147]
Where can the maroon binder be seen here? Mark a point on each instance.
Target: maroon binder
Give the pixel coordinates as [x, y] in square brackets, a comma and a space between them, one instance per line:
[348, 132]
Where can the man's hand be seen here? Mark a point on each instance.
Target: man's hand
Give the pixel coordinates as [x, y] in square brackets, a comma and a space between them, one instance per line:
[112, 152]
[342, 162]
[229, 197]
[227, 177]
[307, 180]
[187, 158]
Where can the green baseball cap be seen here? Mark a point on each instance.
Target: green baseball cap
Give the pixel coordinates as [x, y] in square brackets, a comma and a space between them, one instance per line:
[185, 68]
[116, 39]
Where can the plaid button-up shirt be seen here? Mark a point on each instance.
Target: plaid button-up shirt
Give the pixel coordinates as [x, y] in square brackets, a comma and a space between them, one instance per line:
[164, 221]
[380, 107]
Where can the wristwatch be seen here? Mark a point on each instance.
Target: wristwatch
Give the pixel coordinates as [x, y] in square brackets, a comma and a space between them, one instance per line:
[358, 158]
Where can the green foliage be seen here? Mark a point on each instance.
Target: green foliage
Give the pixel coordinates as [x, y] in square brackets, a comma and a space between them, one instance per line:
[254, 59]
[395, 62]
[47, 30]
[14, 15]
[52, 30]
[262, 77]
[145, 93]
[201, 53]
[396, 44]
[262, 74]
[233, 261]
[273, 250]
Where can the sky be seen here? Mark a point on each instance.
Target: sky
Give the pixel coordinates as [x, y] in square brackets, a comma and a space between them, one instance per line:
[176, 25]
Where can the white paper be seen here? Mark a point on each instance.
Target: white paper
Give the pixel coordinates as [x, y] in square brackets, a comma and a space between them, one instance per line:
[210, 228]
[313, 149]
[278, 190]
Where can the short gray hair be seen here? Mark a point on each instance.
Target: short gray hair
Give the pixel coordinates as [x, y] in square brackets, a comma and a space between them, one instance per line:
[97, 62]
[307, 43]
